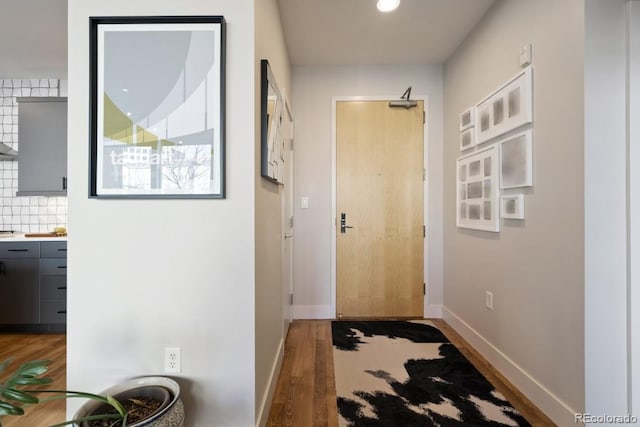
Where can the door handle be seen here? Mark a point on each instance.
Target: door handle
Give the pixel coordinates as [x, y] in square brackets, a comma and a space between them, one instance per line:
[288, 235]
[343, 223]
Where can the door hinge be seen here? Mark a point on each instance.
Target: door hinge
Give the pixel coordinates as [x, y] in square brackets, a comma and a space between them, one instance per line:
[291, 221]
[424, 117]
[424, 174]
[290, 299]
[424, 231]
[424, 289]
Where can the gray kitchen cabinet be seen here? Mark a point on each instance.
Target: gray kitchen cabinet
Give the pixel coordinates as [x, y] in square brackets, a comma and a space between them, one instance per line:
[42, 148]
[19, 275]
[33, 286]
[53, 283]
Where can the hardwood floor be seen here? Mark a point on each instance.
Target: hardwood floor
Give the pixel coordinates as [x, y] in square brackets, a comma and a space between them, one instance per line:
[305, 392]
[27, 347]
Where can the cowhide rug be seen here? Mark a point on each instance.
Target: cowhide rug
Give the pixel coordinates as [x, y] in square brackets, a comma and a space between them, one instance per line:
[396, 373]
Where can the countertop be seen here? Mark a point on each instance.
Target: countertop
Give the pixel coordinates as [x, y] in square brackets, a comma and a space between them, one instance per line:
[19, 237]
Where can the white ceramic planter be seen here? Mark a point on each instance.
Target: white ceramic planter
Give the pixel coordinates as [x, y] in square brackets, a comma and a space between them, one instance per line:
[170, 416]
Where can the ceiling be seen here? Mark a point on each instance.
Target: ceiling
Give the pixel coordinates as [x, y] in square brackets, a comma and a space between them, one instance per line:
[317, 32]
[353, 32]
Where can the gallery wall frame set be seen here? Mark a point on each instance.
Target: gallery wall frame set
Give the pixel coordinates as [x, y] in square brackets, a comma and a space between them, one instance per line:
[499, 121]
[157, 107]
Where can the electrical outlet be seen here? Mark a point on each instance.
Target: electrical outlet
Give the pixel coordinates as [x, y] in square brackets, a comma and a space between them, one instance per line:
[172, 359]
[488, 300]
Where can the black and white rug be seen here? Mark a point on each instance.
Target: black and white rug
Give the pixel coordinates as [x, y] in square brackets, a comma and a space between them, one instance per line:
[396, 373]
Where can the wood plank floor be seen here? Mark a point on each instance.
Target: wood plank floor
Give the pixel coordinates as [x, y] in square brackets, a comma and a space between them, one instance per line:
[305, 393]
[27, 347]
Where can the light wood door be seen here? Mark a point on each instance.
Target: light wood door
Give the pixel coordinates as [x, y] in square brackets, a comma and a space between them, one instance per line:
[379, 185]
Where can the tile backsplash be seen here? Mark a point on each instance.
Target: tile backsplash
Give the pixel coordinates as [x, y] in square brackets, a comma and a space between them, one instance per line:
[32, 214]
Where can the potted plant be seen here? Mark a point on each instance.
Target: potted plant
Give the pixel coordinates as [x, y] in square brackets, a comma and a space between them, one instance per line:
[139, 402]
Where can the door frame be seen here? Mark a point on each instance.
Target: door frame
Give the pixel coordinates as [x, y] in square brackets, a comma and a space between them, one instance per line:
[334, 183]
[288, 225]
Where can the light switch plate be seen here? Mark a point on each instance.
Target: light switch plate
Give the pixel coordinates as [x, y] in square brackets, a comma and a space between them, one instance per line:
[304, 203]
[525, 55]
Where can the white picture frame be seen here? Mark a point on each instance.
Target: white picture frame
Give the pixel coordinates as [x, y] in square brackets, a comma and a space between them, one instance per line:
[468, 118]
[467, 139]
[512, 206]
[516, 160]
[477, 190]
[507, 108]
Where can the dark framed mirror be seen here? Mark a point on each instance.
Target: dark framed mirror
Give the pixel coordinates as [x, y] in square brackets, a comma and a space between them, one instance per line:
[272, 117]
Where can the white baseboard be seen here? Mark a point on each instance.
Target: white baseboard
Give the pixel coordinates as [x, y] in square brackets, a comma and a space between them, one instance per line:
[312, 312]
[265, 405]
[433, 311]
[543, 398]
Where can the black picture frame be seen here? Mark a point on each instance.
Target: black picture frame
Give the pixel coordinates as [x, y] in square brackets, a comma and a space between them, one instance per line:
[157, 107]
[272, 108]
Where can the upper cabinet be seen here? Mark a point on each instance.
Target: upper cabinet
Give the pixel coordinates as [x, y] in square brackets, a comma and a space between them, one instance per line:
[42, 138]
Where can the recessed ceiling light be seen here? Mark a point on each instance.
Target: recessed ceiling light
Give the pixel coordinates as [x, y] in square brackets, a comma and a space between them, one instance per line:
[388, 5]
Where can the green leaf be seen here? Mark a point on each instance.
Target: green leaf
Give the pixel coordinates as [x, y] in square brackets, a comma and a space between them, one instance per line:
[34, 368]
[9, 409]
[17, 395]
[118, 406]
[6, 363]
[34, 381]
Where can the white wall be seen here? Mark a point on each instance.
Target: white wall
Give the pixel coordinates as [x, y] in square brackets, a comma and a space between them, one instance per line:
[534, 267]
[313, 88]
[634, 193]
[270, 333]
[611, 141]
[148, 274]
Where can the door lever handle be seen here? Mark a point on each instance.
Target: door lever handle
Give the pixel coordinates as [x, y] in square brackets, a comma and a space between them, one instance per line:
[288, 235]
[343, 223]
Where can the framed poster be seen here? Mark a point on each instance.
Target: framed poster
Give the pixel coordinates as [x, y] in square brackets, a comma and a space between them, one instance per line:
[467, 118]
[516, 160]
[507, 108]
[157, 107]
[512, 206]
[467, 139]
[477, 190]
